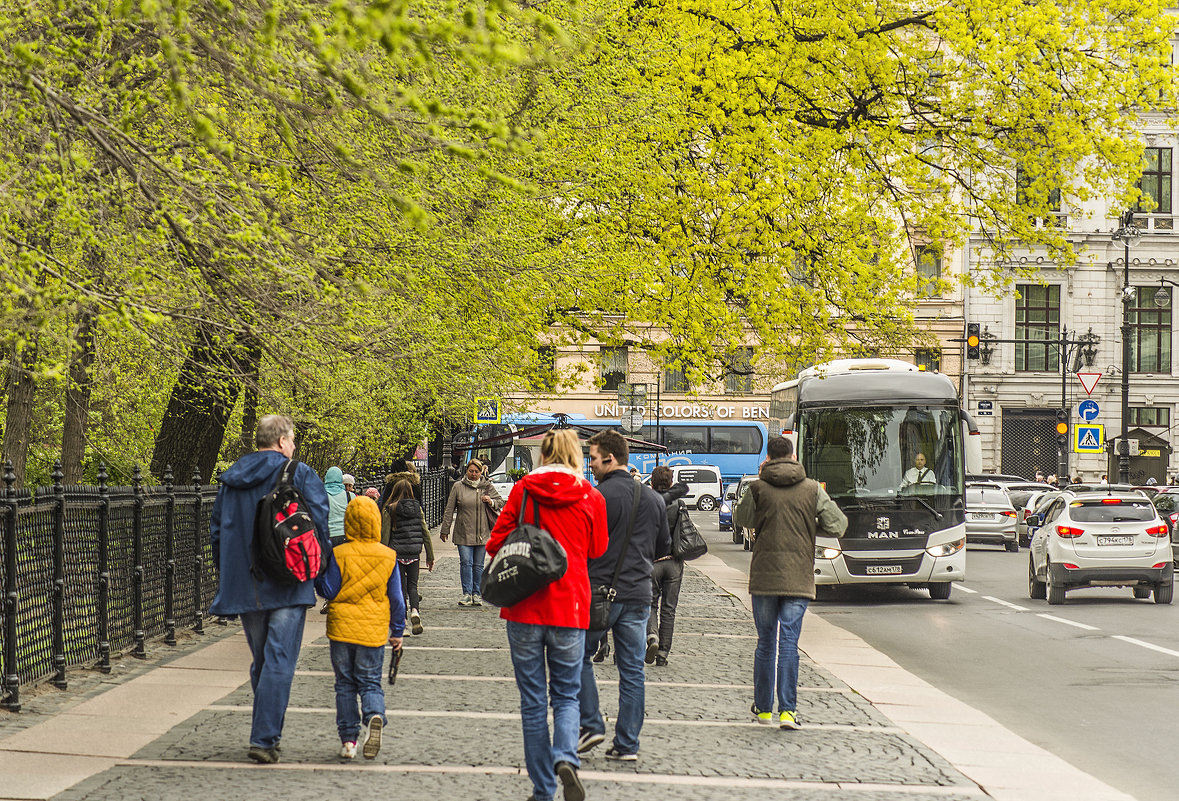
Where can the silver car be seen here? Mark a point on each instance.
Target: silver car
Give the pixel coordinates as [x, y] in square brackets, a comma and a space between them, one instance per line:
[990, 517]
[1101, 539]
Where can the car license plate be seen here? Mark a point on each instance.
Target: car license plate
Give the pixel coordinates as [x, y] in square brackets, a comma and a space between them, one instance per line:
[882, 570]
[1115, 540]
[981, 516]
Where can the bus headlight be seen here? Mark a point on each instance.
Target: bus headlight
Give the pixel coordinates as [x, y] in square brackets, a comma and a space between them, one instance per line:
[823, 552]
[946, 549]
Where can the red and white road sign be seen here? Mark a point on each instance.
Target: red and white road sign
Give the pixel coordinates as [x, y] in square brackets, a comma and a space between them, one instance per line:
[1088, 381]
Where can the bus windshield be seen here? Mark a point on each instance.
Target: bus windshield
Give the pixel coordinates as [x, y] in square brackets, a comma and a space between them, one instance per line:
[882, 453]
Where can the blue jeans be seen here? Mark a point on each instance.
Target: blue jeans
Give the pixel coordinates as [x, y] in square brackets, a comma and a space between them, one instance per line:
[358, 673]
[778, 619]
[628, 621]
[470, 567]
[275, 637]
[561, 649]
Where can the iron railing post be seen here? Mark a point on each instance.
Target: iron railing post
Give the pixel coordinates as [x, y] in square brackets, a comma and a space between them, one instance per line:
[137, 575]
[11, 679]
[169, 560]
[198, 563]
[104, 572]
[58, 623]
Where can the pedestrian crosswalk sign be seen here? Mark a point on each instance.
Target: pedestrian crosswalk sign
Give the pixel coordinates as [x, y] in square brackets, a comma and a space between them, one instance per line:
[1089, 438]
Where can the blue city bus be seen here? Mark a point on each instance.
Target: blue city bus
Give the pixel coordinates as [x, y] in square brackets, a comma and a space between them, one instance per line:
[737, 448]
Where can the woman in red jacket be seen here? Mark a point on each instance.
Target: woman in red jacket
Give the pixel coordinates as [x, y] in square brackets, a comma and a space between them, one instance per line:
[548, 627]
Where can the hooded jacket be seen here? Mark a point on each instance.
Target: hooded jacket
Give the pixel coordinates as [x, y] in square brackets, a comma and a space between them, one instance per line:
[575, 514]
[364, 584]
[650, 537]
[787, 510]
[338, 497]
[231, 532]
[465, 508]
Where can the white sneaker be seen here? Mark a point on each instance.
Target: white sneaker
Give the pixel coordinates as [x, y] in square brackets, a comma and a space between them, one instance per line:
[415, 620]
[476, 600]
[466, 601]
[348, 750]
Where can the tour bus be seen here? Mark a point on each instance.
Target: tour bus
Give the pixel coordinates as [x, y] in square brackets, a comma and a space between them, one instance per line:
[736, 447]
[889, 443]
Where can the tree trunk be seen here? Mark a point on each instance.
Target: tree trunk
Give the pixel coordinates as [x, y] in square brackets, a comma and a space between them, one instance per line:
[18, 417]
[77, 401]
[252, 376]
[199, 407]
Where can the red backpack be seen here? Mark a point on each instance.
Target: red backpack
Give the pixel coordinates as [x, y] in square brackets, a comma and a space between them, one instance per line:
[285, 548]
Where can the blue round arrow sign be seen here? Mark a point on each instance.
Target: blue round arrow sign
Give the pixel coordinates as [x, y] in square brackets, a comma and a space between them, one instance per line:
[1088, 410]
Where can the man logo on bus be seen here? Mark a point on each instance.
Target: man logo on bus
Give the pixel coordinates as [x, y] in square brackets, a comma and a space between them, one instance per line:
[882, 523]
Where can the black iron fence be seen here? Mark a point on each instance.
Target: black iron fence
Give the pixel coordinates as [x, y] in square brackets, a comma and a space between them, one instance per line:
[91, 571]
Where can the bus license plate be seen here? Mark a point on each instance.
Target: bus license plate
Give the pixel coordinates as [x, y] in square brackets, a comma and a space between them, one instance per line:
[1115, 540]
[882, 570]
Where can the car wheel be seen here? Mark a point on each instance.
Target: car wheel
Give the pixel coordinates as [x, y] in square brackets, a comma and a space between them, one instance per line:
[738, 537]
[940, 590]
[706, 503]
[1163, 592]
[1011, 547]
[1055, 591]
[1142, 591]
[1036, 589]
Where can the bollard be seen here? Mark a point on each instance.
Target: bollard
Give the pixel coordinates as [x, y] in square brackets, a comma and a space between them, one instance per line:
[11, 679]
[169, 560]
[137, 574]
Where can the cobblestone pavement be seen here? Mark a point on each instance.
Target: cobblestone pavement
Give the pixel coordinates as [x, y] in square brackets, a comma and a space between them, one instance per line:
[454, 729]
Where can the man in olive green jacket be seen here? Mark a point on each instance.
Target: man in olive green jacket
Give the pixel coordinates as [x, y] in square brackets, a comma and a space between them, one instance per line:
[786, 510]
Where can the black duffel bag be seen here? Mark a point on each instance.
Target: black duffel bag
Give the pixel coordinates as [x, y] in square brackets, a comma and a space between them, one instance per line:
[687, 543]
[529, 560]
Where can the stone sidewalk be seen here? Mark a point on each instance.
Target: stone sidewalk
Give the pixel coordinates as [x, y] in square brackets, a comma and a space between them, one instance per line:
[181, 728]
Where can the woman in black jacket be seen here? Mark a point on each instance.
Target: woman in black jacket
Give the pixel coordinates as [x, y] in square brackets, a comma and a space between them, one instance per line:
[667, 573]
[403, 528]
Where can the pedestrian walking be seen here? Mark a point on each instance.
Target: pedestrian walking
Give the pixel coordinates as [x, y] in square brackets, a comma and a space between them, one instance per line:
[471, 505]
[546, 631]
[272, 613]
[667, 574]
[403, 528]
[367, 610]
[338, 497]
[787, 510]
[640, 511]
[402, 471]
[349, 485]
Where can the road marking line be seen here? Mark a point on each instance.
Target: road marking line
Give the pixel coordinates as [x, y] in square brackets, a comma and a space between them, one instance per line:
[1056, 619]
[964, 588]
[1008, 604]
[1145, 644]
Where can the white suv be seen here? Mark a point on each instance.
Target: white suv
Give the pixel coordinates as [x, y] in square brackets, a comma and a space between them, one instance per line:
[1101, 539]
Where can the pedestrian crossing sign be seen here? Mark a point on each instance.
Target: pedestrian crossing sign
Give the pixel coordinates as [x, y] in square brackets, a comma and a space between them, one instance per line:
[1089, 438]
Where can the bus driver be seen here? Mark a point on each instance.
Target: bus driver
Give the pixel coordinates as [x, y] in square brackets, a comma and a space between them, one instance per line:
[918, 473]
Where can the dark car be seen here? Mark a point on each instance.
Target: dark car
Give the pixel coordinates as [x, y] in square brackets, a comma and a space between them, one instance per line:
[724, 509]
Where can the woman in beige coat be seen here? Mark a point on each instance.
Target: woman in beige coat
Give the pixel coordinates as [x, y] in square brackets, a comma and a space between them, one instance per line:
[472, 504]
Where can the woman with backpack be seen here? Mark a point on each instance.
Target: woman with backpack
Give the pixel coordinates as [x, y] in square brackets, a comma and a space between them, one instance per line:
[667, 573]
[546, 630]
[472, 505]
[403, 528]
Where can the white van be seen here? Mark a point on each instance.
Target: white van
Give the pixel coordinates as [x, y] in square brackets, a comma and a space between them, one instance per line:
[704, 484]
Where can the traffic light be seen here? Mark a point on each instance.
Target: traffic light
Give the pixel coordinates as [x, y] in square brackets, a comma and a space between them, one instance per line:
[972, 335]
[1062, 427]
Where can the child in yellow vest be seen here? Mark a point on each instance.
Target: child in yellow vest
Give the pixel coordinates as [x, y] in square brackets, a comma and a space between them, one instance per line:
[367, 610]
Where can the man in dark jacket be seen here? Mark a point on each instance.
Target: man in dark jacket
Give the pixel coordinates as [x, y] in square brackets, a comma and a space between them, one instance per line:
[272, 614]
[628, 617]
[667, 574]
[787, 510]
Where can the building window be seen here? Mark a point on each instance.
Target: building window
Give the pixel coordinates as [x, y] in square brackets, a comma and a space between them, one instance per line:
[1026, 194]
[1156, 180]
[1037, 316]
[930, 359]
[614, 364]
[544, 379]
[929, 271]
[1150, 416]
[739, 372]
[1150, 333]
[674, 380]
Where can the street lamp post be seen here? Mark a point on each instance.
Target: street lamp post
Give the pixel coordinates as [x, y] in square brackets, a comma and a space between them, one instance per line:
[1128, 234]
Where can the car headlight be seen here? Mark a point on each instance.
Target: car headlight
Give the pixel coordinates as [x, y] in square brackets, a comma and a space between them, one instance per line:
[946, 549]
[823, 552]
[724, 507]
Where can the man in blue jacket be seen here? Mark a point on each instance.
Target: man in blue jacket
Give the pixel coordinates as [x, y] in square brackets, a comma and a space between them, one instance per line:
[272, 614]
[632, 604]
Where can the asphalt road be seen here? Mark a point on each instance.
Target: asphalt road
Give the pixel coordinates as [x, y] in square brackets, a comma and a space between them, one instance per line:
[1095, 681]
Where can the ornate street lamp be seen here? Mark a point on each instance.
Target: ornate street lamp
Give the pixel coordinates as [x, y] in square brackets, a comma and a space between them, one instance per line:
[1129, 235]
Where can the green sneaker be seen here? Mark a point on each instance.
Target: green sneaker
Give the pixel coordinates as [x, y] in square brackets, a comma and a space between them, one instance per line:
[788, 720]
[761, 717]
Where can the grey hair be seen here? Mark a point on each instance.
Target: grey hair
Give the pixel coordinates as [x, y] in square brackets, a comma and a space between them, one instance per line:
[272, 428]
